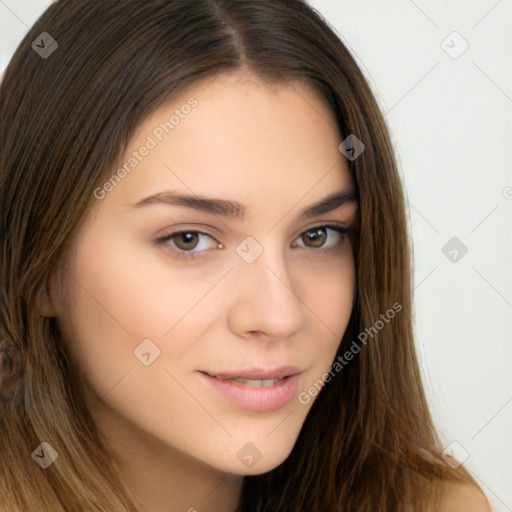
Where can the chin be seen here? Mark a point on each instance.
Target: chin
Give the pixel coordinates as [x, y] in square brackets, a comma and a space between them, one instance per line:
[251, 460]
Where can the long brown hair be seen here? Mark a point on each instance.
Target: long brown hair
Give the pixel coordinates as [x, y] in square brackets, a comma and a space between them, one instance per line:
[368, 442]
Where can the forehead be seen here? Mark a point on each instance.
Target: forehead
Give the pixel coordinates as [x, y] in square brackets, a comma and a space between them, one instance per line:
[239, 138]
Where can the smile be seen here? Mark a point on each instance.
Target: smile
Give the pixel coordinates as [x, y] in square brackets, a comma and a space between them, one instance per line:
[255, 394]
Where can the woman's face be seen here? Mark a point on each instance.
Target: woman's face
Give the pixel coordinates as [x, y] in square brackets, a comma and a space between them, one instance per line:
[155, 319]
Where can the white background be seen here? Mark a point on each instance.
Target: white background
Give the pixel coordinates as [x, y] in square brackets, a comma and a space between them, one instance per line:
[450, 118]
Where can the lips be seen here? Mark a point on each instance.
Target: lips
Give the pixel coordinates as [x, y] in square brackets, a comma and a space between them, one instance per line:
[276, 373]
[255, 389]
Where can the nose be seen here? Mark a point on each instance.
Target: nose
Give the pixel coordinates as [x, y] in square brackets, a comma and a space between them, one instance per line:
[264, 301]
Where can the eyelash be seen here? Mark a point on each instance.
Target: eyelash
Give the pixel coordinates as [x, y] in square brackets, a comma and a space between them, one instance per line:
[189, 255]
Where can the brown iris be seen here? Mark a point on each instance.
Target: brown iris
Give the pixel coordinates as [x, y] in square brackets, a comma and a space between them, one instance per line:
[186, 240]
[315, 236]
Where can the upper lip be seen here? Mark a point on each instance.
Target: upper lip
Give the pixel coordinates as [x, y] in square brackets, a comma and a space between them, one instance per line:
[257, 373]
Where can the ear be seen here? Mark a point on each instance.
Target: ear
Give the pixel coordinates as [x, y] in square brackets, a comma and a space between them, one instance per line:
[46, 305]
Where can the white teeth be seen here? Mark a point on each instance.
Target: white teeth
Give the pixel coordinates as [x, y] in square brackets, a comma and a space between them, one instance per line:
[257, 383]
[253, 383]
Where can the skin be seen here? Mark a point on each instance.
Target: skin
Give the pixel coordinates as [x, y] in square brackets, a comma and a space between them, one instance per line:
[274, 148]
[464, 498]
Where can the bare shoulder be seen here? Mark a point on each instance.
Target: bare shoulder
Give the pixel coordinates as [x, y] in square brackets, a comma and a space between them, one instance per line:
[460, 497]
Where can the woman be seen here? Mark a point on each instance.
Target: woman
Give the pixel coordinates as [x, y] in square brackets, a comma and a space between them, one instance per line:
[206, 299]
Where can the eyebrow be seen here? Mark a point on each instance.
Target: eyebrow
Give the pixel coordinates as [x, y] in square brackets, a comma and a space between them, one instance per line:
[236, 210]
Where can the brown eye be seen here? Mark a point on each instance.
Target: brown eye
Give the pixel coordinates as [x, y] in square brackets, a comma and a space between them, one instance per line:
[323, 238]
[187, 244]
[186, 240]
[314, 237]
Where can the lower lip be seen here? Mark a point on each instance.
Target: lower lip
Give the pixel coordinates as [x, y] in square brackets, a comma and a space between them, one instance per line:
[263, 399]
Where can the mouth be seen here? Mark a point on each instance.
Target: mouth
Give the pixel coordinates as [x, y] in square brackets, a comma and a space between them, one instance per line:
[250, 383]
[256, 389]
[256, 377]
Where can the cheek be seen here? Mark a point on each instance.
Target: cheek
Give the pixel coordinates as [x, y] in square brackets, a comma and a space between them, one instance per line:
[333, 300]
[128, 285]
[125, 292]
[329, 304]
[328, 289]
